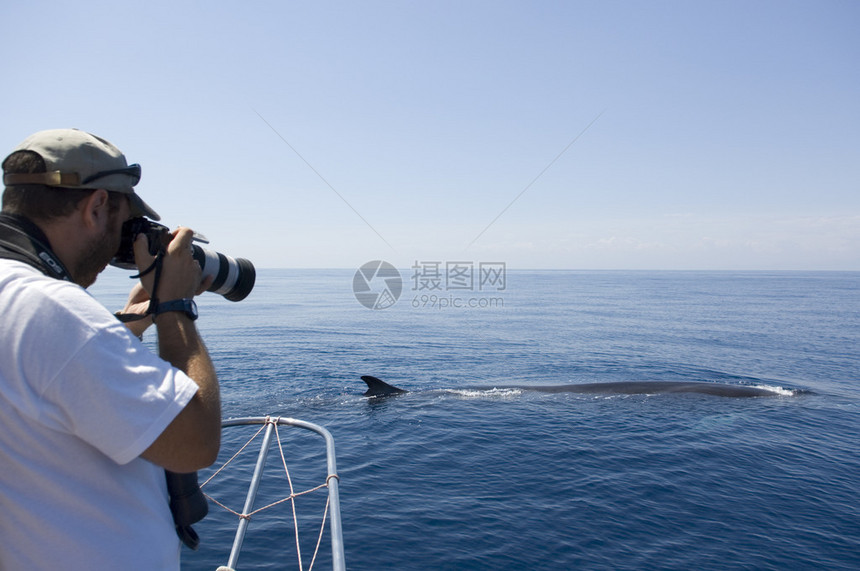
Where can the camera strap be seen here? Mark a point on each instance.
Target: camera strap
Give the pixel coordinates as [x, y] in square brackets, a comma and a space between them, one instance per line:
[24, 241]
[156, 266]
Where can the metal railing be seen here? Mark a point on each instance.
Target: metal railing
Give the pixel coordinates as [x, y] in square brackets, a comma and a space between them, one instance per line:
[337, 551]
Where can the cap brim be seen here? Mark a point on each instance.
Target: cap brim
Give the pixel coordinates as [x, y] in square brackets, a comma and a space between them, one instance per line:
[141, 208]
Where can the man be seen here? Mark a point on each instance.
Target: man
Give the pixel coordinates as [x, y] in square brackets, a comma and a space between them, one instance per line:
[89, 417]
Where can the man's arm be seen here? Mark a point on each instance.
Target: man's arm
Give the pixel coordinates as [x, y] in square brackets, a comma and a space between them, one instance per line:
[138, 303]
[193, 439]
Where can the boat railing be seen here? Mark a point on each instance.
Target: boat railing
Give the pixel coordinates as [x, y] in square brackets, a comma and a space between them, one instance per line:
[269, 429]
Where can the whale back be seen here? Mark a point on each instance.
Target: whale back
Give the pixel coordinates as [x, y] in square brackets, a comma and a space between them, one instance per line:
[379, 388]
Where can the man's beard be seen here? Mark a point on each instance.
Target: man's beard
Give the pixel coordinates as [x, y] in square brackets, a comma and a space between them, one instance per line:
[99, 254]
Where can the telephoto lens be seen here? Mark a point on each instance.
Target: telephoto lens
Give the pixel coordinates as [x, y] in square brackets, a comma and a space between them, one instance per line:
[234, 278]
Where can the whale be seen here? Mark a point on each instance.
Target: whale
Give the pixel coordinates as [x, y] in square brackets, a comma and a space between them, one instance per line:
[377, 388]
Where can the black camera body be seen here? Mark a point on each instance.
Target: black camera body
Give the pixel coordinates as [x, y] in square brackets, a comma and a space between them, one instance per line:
[156, 233]
[234, 278]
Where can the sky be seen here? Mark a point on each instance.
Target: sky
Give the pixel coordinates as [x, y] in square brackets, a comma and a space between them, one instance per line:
[665, 135]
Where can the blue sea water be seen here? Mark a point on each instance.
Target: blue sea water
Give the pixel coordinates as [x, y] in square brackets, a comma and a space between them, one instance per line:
[445, 477]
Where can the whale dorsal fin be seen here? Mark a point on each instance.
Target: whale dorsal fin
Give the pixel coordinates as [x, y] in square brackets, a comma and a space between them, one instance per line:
[379, 388]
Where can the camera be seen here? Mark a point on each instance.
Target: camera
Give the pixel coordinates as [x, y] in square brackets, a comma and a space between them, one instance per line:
[234, 278]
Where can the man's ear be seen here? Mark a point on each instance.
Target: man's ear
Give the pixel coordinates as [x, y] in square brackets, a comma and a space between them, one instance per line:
[95, 209]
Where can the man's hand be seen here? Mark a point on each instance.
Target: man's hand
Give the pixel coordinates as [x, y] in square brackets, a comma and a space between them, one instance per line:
[181, 276]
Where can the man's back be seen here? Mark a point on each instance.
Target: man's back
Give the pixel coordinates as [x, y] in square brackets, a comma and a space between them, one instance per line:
[76, 415]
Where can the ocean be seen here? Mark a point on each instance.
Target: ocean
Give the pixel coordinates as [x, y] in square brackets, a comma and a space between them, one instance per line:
[449, 477]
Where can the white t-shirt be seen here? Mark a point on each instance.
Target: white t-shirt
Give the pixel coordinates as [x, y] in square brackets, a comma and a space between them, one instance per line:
[80, 399]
